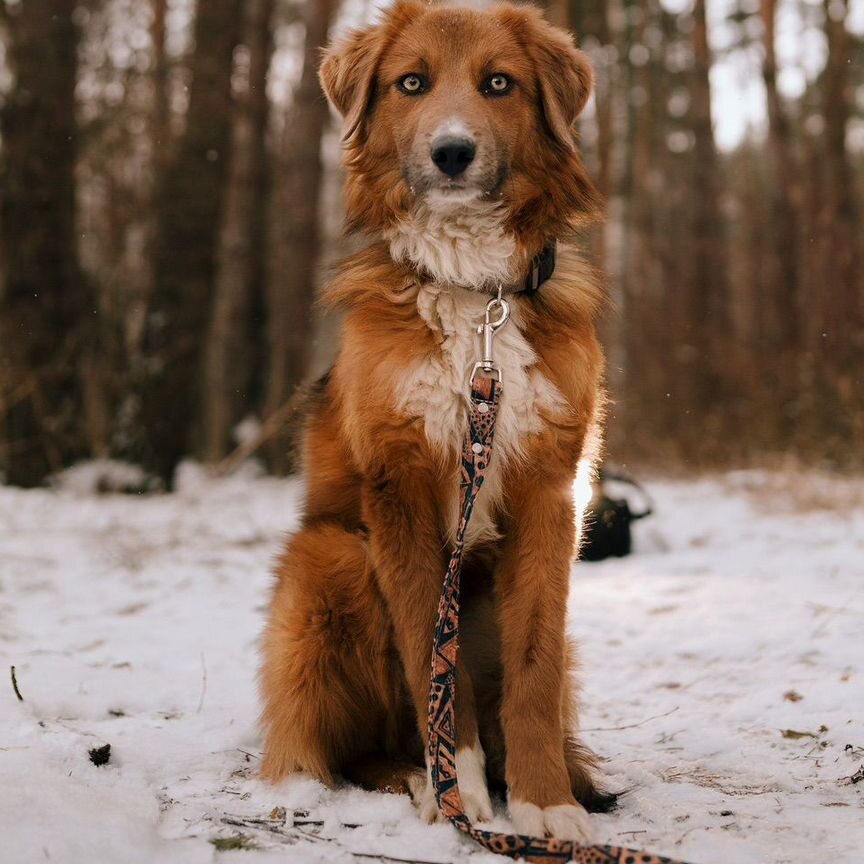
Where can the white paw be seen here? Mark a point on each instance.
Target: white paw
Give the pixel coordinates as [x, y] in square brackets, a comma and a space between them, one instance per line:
[471, 771]
[562, 821]
[424, 798]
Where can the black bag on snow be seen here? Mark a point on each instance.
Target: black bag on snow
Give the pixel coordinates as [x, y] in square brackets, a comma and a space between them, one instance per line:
[606, 532]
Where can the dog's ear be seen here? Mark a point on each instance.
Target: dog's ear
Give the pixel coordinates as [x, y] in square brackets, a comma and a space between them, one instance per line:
[347, 75]
[566, 80]
[564, 74]
[348, 70]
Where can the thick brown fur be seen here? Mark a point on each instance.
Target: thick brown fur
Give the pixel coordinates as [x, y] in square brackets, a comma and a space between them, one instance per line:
[346, 654]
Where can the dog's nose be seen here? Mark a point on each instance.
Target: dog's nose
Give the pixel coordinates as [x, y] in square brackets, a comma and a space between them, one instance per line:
[452, 155]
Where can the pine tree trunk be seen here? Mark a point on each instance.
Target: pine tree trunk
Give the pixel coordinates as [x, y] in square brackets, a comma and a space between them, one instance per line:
[295, 230]
[131, 439]
[590, 20]
[45, 309]
[776, 288]
[706, 303]
[842, 285]
[191, 198]
[780, 329]
[842, 310]
[159, 134]
[229, 354]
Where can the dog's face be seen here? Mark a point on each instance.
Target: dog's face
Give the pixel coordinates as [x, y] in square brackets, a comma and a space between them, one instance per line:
[446, 106]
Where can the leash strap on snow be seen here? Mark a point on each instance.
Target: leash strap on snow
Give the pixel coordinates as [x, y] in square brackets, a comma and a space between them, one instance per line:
[476, 453]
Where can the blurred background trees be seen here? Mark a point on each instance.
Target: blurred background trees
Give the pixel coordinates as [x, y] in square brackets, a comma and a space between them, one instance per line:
[169, 196]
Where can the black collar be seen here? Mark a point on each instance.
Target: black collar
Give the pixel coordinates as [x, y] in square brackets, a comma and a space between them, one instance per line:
[542, 268]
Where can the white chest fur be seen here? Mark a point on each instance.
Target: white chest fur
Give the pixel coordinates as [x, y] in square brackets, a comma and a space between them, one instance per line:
[437, 388]
[465, 245]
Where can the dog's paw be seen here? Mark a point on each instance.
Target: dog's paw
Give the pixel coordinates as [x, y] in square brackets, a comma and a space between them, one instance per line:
[420, 787]
[562, 821]
[471, 771]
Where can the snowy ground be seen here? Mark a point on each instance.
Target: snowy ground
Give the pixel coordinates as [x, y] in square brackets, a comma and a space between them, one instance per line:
[724, 681]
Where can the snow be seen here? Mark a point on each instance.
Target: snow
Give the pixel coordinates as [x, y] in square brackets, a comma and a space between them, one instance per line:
[133, 621]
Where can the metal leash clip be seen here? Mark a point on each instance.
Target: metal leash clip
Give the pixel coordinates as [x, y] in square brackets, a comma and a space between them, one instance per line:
[487, 330]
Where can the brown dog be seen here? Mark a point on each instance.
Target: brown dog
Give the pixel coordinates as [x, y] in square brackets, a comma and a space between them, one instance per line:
[462, 165]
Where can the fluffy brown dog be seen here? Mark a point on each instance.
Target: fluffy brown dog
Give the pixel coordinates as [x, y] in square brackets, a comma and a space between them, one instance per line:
[462, 164]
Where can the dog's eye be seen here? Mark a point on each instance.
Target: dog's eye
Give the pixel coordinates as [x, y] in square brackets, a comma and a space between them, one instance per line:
[412, 84]
[497, 85]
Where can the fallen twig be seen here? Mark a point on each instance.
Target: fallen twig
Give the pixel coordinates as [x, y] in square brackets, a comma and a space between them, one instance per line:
[278, 825]
[275, 826]
[15, 684]
[379, 857]
[632, 725]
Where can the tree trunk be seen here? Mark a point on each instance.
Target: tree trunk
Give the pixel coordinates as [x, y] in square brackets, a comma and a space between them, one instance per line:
[707, 317]
[781, 289]
[191, 197]
[842, 287]
[842, 312]
[44, 304]
[295, 229]
[130, 435]
[160, 143]
[228, 360]
[590, 20]
[776, 288]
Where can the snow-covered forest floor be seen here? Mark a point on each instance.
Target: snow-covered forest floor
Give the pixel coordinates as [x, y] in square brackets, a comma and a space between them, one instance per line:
[723, 671]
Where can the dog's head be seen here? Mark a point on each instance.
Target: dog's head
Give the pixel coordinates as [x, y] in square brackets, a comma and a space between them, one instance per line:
[445, 107]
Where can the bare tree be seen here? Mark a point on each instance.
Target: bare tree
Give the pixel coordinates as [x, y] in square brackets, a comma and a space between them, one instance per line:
[591, 22]
[842, 309]
[228, 358]
[707, 298]
[641, 273]
[160, 151]
[45, 307]
[191, 198]
[780, 327]
[295, 227]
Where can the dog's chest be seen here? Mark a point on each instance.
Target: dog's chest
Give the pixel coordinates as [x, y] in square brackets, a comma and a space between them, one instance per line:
[437, 388]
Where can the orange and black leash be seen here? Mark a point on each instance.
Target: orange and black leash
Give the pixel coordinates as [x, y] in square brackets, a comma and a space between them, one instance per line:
[476, 453]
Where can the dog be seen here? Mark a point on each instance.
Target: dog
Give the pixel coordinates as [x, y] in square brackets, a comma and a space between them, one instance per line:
[463, 169]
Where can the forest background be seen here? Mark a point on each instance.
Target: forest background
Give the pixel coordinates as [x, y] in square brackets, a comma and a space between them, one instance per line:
[170, 199]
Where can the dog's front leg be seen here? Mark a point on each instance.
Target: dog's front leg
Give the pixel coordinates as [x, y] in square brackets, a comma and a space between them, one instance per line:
[532, 581]
[409, 557]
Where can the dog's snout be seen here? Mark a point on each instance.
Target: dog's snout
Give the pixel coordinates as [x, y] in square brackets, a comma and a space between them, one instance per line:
[453, 154]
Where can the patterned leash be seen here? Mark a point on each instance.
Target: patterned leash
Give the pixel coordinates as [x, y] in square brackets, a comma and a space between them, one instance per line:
[476, 453]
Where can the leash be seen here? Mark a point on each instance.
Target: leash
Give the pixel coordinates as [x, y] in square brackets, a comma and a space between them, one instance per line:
[486, 384]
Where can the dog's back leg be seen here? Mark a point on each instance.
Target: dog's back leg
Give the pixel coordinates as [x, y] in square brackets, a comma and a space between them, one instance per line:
[329, 679]
[385, 774]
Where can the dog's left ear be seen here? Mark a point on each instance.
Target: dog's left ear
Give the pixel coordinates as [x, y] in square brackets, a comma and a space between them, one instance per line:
[347, 75]
[564, 74]
[349, 67]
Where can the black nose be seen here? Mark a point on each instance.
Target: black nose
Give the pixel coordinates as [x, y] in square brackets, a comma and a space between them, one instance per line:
[452, 155]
